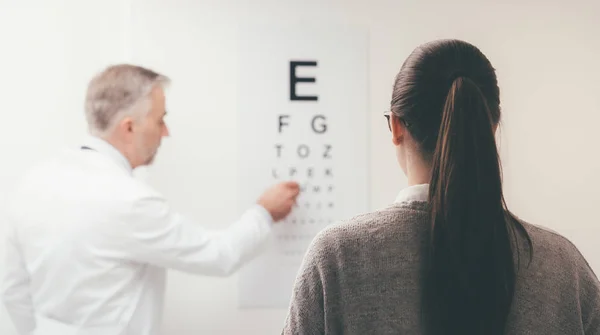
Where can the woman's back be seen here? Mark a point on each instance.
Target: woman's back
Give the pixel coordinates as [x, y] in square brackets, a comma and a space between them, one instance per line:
[444, 264]
[365, 276]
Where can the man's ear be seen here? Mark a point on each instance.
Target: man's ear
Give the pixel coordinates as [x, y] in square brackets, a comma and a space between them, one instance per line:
[398, 130]
[126, 125]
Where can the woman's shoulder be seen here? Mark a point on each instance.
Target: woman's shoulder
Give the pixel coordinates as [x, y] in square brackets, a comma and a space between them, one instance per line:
[396, 222]
[549, 244]
[558, 268]
[554, 252]
[389, 215]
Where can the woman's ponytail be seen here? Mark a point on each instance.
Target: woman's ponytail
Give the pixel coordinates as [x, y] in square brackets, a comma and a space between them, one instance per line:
[470, 277]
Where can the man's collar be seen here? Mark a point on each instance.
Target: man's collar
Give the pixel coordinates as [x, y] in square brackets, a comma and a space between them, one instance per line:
[105, 148]
[414, 193]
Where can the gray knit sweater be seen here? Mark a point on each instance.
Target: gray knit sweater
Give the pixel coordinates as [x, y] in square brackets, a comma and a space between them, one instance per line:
[362, 277]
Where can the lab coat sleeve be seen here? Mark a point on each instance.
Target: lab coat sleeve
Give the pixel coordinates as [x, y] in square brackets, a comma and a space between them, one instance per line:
[15, 286]
[160, 236]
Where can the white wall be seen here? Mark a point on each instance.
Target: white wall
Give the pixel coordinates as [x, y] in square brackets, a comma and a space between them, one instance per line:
[546, 54]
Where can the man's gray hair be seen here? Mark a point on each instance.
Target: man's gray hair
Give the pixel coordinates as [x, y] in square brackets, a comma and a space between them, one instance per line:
[119, 91]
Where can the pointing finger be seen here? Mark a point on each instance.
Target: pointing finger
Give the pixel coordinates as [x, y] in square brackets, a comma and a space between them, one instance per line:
[292, 185]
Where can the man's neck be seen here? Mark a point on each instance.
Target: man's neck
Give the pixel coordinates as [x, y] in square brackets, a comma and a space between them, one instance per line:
[117, 145]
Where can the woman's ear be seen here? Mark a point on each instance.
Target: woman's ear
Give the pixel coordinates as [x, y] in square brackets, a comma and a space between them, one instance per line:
[398, 130]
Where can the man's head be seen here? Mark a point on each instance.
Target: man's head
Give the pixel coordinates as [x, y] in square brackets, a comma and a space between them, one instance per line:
[125, 105]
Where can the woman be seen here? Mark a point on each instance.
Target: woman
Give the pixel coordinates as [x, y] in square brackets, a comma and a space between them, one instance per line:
[447, 257]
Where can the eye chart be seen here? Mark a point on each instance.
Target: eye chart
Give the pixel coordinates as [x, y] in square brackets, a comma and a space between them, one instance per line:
[302, 116]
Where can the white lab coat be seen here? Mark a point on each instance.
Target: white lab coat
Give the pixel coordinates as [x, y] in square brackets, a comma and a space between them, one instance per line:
[88, 245]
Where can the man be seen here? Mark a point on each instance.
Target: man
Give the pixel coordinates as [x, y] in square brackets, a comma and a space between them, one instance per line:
[89, 245]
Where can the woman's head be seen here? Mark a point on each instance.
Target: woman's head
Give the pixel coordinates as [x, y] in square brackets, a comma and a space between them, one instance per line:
[444, 113]
[422, 88]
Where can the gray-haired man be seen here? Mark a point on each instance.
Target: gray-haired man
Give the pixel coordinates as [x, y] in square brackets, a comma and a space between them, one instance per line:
[89, 245]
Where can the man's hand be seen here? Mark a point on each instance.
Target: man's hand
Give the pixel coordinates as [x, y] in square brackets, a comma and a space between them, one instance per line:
[279, 199]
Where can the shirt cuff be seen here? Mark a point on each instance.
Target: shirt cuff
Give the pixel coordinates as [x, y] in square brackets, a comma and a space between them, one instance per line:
[263, 214]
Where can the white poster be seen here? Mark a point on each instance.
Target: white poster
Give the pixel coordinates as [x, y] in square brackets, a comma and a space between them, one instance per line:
[302, 115]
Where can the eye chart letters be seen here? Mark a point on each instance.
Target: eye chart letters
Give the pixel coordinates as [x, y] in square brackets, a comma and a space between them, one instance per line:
[302, 115]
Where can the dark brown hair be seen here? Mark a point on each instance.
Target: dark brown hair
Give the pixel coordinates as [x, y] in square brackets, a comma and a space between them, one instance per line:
[447, 95]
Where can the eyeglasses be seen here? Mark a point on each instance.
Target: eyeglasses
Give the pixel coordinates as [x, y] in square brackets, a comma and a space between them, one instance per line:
[388, 115]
